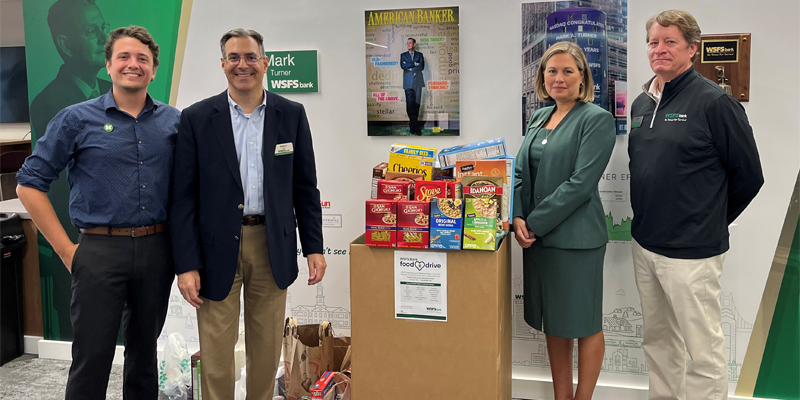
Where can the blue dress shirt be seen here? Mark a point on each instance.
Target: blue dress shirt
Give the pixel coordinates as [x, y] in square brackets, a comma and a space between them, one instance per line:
[119, 167]
[248, 133]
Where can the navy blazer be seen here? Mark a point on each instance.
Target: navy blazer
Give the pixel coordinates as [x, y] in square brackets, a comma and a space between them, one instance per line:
[412, 74]
[207, 194]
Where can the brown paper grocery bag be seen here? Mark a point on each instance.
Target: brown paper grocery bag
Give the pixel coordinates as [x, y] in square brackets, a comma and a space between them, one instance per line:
[307, 354]
[341, 351]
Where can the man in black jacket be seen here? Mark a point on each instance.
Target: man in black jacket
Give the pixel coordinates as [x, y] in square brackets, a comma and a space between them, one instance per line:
[694, 168]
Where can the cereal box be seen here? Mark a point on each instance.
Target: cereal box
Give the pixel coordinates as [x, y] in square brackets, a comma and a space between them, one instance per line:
[427, 190]
[488, 187]
[447, 223]
[485, 150]
[378, 173]
[381, 223]
[412, 224]
[394, 190]
[412, 159]
[480, 219]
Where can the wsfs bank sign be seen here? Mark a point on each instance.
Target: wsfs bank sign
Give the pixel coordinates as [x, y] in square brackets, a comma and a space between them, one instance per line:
[292, 71]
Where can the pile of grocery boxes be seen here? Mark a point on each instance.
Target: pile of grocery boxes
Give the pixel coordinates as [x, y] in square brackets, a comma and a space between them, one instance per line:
[461, 198]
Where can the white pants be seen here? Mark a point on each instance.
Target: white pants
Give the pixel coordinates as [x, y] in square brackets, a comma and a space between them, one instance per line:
[680, 306]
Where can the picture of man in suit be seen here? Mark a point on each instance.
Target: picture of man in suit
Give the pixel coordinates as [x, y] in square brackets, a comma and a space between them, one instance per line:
[244, 182]
[413, 63]
[79, 34]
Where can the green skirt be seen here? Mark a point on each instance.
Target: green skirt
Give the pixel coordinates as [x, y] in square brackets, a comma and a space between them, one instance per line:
[563, 290]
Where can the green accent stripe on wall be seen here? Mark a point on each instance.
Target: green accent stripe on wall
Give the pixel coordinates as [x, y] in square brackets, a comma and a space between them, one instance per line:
[779, 376]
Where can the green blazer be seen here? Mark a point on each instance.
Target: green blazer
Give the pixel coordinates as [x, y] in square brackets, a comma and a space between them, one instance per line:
[561, 204]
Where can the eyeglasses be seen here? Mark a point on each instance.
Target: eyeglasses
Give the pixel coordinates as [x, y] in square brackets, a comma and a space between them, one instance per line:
[248, 58]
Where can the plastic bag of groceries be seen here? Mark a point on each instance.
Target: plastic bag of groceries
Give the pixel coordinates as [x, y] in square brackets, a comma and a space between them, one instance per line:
[174, 370]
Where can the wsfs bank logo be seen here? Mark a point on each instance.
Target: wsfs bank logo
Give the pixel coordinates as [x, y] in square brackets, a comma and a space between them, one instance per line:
[418, 264]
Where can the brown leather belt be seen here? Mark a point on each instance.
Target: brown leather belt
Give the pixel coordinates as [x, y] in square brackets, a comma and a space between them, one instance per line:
[248, 220]
[132, 232]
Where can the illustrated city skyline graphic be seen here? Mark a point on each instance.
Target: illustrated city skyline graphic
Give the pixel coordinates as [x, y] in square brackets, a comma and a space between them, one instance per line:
[624, 331]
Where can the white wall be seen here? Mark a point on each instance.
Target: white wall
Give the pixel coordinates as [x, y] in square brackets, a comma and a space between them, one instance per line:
[12, 31]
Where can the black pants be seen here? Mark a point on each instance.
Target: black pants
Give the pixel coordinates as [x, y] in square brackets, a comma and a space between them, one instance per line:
[413, 97]
[111, 274]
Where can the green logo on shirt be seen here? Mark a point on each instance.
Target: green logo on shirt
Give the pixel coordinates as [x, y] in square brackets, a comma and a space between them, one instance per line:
[108, 127]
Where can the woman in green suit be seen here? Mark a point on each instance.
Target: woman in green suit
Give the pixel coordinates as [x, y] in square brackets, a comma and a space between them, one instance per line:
[559, 219]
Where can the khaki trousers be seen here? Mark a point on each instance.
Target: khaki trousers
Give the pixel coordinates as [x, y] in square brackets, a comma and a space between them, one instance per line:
[264, 311]
[681, 311]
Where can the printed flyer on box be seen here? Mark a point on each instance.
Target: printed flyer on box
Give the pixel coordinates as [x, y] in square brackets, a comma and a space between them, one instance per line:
[420, 285]
[413, 72]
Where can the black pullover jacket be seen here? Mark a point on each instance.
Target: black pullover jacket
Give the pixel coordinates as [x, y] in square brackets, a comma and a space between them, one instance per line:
[694, 167]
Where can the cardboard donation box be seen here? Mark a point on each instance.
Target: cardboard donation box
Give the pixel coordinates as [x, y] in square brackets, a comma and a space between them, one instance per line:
[465, 355]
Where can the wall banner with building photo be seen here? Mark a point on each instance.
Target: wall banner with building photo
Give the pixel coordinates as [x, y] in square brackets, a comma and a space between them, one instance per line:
[413, 77]
[599, 27]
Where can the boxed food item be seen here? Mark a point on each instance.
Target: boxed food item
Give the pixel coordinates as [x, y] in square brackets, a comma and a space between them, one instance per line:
[480, 168]
[488, 187]
[394, 190]
[485, 150]
[323, 386]
[378, 173]
[427, 190]
[405, 177]
[412, 224]
[381, 223]
[454, 190]
[447, 223]
[412, 159]
[508, 190]
[480, 220]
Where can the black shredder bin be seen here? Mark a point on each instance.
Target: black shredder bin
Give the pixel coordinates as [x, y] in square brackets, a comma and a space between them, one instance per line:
[12, 248]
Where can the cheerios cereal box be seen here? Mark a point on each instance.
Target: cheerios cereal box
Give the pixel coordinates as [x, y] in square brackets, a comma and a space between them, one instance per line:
[412, 159]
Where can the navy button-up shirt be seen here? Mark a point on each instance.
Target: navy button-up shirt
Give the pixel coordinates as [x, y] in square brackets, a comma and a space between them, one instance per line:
[119, 167]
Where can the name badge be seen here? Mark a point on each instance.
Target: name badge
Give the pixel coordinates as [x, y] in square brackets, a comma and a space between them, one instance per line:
[284, 149]
[636, 122]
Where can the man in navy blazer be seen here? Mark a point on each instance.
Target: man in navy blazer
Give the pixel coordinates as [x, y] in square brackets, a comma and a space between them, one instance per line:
[413, 63]
[244, 181]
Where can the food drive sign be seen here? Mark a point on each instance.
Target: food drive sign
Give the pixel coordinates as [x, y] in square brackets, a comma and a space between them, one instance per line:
[293, 71]
[420, 285]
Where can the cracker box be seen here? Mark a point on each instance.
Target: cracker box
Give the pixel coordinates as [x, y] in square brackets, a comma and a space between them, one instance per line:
[427, 190]
[378, 173]
[323, 386]
[488, 187]
[412, 224]
[412, 159]
[480, 219]
[394, 190]
[381, 223]
[485, 150]
[447, 223]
